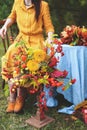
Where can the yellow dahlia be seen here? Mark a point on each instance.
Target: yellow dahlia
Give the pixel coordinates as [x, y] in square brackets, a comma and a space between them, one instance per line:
[32, 65]
[39, 55]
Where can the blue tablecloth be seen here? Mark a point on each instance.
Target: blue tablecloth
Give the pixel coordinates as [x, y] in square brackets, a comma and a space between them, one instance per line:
[75, 62]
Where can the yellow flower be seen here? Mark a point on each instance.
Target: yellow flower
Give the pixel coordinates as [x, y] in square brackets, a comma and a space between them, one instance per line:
[39, 55]
[32, 65]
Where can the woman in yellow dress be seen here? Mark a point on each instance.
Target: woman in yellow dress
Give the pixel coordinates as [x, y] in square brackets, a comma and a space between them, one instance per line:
[32, 18]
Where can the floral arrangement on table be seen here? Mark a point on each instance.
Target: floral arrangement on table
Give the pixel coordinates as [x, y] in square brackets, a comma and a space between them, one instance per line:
[74, 35]
[34, 68]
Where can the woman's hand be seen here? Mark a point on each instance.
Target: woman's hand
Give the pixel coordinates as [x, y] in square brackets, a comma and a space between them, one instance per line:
[4, 28]
[3, 31]
[50, 37]
[49, 40]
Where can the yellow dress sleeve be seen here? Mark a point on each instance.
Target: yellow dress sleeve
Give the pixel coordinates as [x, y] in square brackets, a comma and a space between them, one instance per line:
[12, 15]
[47, 19]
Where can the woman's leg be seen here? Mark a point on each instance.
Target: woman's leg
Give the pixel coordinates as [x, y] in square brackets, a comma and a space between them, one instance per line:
[12, 99]
[21, 94]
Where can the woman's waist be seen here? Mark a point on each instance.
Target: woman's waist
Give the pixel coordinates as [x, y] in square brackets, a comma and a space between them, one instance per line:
[30, 38]
[26, 34]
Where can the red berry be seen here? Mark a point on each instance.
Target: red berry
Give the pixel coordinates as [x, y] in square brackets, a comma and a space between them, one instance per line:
[24, 57]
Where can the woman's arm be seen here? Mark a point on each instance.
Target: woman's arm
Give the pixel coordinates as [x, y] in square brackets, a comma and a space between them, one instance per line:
[10, 20]
[47, 22]
[4, 28]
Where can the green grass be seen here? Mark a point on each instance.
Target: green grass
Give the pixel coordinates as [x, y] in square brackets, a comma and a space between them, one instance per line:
[14, 121]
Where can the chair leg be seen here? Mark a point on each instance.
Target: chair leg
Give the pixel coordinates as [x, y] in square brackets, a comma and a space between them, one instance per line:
[3, 84]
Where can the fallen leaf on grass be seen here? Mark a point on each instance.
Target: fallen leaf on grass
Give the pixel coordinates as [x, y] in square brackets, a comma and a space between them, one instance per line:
[74, 118]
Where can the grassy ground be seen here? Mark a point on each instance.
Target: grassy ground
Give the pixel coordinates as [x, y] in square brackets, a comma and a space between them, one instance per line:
[17, 121]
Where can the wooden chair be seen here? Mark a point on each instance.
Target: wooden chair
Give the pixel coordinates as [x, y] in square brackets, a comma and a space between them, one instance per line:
[6, 42]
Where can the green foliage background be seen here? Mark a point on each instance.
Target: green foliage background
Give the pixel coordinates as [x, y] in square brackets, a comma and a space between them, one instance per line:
[63, 12]
[5, 8]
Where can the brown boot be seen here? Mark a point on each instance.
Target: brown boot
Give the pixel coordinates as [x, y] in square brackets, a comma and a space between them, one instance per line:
[19, 104]
[10, 107]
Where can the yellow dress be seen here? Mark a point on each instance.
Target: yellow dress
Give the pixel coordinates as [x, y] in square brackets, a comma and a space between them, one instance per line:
[30, 30]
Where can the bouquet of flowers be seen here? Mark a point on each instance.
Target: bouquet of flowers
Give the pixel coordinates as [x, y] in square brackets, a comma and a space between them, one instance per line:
[34, 68]
[74, 35]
